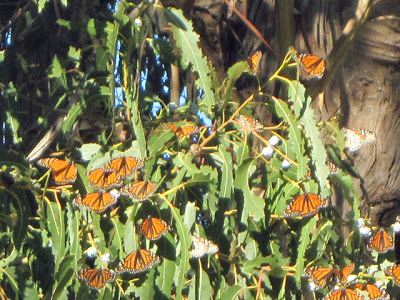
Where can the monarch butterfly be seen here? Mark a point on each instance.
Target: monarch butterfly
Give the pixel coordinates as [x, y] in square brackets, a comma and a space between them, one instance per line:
[319, 275]
[138, 261]
[381, 241]
[314, 66]
[124, 165]
[103, 179]
[249, 123]
[373, 291]
[97, 202]
[62, 171]
[96, 278]
[394, 271]
[355, 138]
[344, 294]
[254, 61]
[183, 130]
[153, 228]
[139, 190]
[202, 247]
[305, 205]
[333, 169]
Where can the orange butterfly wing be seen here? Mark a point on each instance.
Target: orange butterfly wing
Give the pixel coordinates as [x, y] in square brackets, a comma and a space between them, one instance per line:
[305, 205]
[139, 190]
[97, 202]
[124, 165]
[394, 271]
[373, 291]
[313, 65]
[344, 294]
[96, 278]
[345, 273]
[153, 228]
[138, 261]
[101, 178]
[62, 171]
[319, 275]
[381, 241]
[182, 131]
[254, 61]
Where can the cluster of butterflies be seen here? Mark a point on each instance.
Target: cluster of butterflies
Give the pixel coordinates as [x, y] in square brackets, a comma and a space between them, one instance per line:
[141, 260]
[321, 275]
[111, 175]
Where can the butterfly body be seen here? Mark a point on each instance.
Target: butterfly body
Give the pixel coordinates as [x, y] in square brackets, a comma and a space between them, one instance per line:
[312, 65]
[97, 202]
[100, 178]
[96, 278]
[254, 61]
[139, 190]
[305, 205]
[182, 131]
[202, 247]
[62, 171]
[381, 241]
[153, 228]
[249, 123]
[125, 165]
[356, 138]
[138, 261]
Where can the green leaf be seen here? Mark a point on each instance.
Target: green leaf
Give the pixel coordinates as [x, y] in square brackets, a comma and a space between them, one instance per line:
[187, 40]
[21, 225]
[166, 279]
[253, 205]
[232, 293]
[56, 226]
[76, 110]
[88, 150]
[224, 159]
[304, 242]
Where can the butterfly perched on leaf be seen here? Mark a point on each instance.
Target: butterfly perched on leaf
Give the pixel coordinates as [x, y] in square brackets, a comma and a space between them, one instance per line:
[373, 291]
[254, 61]
[355, 138]
[138, 261]
[124, 165]
[139, 190]
[321, 275]
[202, 247]
[182, 131]
[97, 202]
[305, 205]
[102, 179]
[62, 171]
[381, 241]
[312, 65]
[153, 228]
[96, 278]
[344, 294]
[249, 123]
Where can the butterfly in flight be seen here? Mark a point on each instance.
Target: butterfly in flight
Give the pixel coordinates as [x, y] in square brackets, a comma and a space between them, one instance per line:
[373, 291]
[62, 171]
[249, 123]
[153, 228]
[344, 294]
[305, 205]
[355, 138]
[139, 190]
[124, 165]
[138, 261]
[202, 247]
[254, 61]
[97, 202]
[102, 179]
[381, 241]
[182, 131]
[96, 278]
[312, 65]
